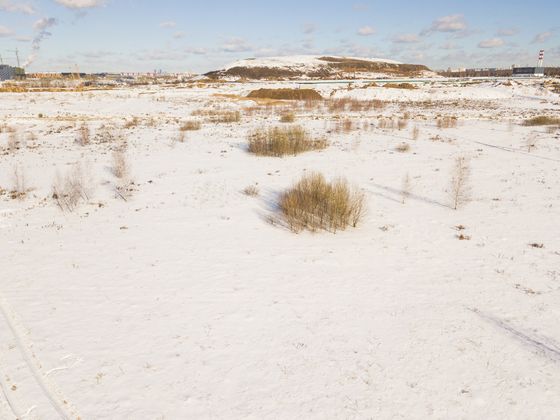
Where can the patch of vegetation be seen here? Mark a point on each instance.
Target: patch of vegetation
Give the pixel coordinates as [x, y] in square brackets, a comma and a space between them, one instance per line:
[409, 86]
[315, 204]
[541, 120]
[282, 141]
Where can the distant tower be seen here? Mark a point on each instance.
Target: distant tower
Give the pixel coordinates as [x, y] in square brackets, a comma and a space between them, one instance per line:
[541, 59]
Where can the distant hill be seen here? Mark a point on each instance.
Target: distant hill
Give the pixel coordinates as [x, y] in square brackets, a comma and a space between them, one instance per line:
[318, 67]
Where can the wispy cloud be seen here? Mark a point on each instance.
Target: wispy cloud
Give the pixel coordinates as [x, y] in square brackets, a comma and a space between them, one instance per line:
[491, 43]
[451, 23]
[366, 31]
[234, 45]
[17, 7]
[4, 31]
[80, 4]
[542, 37]
[507, 32]
[168, 24]
[405, 39]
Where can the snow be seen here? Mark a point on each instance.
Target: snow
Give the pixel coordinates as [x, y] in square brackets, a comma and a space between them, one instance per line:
[306, 63]
[186, 302]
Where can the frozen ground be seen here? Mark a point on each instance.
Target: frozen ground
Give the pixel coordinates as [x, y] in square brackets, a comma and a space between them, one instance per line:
[185, 302]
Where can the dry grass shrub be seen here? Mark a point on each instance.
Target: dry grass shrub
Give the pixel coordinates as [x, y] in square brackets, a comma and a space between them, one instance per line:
[415, 133]
[14, 141]
[403, 148]
[541, 120]
[316, 204]
[251, 191]
[219, 115]
[354, 105]
[282, 141]
[287, 117]
[132, 123]
[119, 166]
[190, 126]
[459, 190]
[409, 86]
[73, 187]
[19, 184]
[84, 136]
[392, 123]
[446, 122]
[286, 94]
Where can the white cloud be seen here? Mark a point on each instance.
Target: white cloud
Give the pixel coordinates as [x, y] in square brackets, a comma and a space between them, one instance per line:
[5, 31]
[405, 39]
[366, 31]
[236, 45]
[451, 23]
[542, 37]
[491, 43]
[18, 7]
[81, 4]
[179, 35]
[508, 31]
[168, 24]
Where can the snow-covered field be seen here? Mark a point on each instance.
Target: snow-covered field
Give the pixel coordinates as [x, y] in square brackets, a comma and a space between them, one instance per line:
[177, 297]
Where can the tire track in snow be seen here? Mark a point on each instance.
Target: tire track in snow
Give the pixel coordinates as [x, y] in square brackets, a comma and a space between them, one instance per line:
[55, 397]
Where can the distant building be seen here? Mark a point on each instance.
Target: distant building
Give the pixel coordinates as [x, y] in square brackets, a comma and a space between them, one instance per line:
[10, 73]
[528, 71]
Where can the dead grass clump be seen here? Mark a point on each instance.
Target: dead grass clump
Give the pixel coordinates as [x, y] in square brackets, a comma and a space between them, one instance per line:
[315, 204]
[70, 189]
[190, 126]
[84, 137]
[403, 148]
[392, 123]
[226, 117]
[286, 94]
[288, 117]
[251, 191]
[541, 120]
[354, 105]
[446, 122]
[399, 86]
[415, 133]
[281, 141]
[134, 122]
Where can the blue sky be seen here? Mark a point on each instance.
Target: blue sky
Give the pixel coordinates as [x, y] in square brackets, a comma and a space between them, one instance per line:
[176, 36]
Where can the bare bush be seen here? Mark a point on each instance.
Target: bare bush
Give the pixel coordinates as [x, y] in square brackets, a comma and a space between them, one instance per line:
[446, 122]
[190, 126]
[354, 105]
[459, 191]
[288, 117]
[315, 204]
[19, 185]
[119, 165]
[406, 188]
[403, 148]
[74, 186]
[281, 141]
[84, 137]
[542, 120]
[415, 133]
[14, 141]
[251, 191]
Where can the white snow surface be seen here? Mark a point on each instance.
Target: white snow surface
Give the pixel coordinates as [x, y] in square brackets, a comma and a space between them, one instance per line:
[186, 302]
[297, 62]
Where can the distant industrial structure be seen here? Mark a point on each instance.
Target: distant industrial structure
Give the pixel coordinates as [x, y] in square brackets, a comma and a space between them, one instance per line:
[514, 71]
[11, 73]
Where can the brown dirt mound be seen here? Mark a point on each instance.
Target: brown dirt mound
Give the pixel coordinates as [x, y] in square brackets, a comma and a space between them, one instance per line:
[286, 94]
